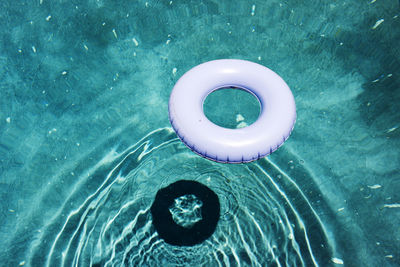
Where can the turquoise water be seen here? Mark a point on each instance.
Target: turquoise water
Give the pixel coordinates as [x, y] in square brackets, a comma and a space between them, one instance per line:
[85, 141]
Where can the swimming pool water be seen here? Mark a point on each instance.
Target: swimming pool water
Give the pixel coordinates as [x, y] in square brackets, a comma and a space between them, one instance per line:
[85, 141]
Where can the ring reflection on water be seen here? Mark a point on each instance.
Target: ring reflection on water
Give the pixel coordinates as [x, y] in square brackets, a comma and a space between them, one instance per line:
[265, 219]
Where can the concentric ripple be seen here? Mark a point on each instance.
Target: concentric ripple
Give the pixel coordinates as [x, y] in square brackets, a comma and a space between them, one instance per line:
[266, 219]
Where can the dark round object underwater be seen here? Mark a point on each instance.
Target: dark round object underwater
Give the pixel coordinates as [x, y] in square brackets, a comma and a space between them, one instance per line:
[169, 230]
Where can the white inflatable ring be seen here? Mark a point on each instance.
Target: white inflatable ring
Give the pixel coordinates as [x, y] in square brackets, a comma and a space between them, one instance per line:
[272, 128]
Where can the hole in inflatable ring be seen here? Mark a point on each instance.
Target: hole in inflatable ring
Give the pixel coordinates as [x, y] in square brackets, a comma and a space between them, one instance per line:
[231, 107]
[185, 213]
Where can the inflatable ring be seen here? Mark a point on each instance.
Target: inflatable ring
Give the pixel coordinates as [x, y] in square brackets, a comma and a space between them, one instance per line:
[272, 128]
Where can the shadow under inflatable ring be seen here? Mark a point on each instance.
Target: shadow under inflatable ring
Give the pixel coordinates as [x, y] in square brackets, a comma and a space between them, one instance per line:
[175, 234]
[265, 135]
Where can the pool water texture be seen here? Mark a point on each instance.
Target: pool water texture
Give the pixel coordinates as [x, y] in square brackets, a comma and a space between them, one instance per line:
[86, 144]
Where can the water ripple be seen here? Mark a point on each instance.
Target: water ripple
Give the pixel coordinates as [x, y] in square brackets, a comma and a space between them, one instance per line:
[105, 221]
